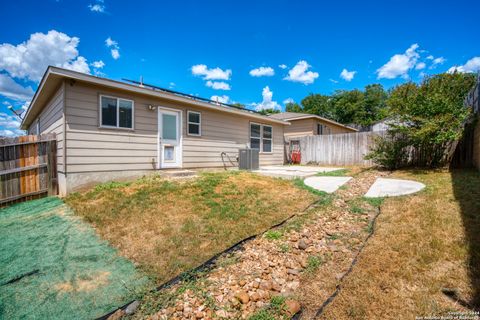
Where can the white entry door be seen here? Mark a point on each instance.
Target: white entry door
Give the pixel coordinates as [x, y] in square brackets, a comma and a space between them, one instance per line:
[169, 138]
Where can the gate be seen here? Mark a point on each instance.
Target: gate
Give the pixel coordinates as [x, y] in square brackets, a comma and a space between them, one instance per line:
[28, 168]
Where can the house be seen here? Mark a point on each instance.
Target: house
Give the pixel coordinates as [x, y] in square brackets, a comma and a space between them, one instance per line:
[108, 129]
[304, 124]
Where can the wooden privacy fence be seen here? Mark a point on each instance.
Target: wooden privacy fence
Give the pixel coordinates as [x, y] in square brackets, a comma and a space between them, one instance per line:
[338, 149]
[28, 168]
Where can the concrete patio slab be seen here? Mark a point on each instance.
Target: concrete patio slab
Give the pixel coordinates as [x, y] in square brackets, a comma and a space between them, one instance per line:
[383, 187]
[326, 184]
[292, 172]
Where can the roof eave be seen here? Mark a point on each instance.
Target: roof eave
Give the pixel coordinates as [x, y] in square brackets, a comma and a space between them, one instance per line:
[132, 88]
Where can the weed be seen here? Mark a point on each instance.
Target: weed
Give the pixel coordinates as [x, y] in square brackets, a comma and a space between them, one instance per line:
[273, 235]
[375, 202]
[110, 185]
[335, 173]
[284, 247]
[313, 263]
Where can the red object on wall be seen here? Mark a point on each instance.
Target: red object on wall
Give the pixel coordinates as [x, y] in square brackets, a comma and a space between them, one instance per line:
[296, 156]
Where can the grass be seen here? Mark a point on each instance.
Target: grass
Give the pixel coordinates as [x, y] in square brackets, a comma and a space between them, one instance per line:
[335, 173]
[432, 241]
[167, 227]
[274, 311]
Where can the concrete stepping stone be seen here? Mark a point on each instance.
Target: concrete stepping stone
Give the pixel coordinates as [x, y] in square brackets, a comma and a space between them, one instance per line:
[326, 184]
[292, 172]
[383, 187]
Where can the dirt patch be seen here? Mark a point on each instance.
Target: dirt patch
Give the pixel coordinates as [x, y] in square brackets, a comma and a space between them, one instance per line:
[84, 285]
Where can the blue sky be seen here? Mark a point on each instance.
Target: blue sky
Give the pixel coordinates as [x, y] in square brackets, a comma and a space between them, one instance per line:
[216, 48]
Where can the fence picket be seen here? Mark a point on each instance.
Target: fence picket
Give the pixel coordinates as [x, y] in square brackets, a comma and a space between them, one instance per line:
[338, 149]
[27, 168]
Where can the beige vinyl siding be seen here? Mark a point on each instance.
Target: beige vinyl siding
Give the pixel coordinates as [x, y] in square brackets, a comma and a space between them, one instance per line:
[308, 127]
[51, 121]
[302, 127]
[94, 149]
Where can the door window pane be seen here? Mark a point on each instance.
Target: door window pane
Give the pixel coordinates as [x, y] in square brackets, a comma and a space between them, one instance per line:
[168, 153]
[169, 127]
[109, 112]
[125, 113]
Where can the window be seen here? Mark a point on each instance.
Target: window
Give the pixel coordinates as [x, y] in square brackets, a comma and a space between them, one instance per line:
[37, 127]
[267, 139]
[194, 120]
[319, 129]
[261, 137]
[116, 112]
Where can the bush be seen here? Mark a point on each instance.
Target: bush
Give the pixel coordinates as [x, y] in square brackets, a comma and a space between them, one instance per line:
[427, 121]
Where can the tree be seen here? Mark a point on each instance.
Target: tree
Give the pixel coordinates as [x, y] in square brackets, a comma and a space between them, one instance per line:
[293, 107]
[349, 106]
[429, 118]
[266, 112]
[238, 105]
[318, 104]
[375, 98]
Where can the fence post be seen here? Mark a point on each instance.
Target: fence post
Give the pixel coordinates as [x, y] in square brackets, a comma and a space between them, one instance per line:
[52, 167]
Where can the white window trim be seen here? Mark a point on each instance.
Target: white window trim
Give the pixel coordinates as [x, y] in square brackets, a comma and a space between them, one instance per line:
[261, 138]
[199, 124]
[117, 127]
[37, 127]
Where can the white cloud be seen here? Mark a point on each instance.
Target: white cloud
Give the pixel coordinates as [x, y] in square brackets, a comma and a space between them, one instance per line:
[472, 65]
[299, 73]
[9, 125]
[399, 64]
[333, 80]
[100, 8]
[262, 72]
[288, 100]
[283, 66]
[267, 102]
[12, 90]
[30, 59]
[114, 48]
[347, 75]
[211, 74]
[98, 64]
[218, 85]
[437, 61]
[430, 57]
[221, 99]
[420, 66]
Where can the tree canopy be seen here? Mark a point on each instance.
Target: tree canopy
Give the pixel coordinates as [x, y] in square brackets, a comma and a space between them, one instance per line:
[347, 107]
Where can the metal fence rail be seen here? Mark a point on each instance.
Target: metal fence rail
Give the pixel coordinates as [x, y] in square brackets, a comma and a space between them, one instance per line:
[28, 168]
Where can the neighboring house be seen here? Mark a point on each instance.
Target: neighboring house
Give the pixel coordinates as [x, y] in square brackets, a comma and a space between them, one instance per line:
[108, 129]
[304, 124]
[382, 125]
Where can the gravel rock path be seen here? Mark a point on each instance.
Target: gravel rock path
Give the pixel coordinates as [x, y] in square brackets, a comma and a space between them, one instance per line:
[301, 261]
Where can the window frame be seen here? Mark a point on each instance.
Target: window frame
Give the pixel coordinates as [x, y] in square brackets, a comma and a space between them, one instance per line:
[117, 127]
[320, 132]
[261, 137]
[199, 134]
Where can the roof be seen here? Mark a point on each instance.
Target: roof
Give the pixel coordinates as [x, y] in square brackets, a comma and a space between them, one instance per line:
[292, 116]
[54, 76]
